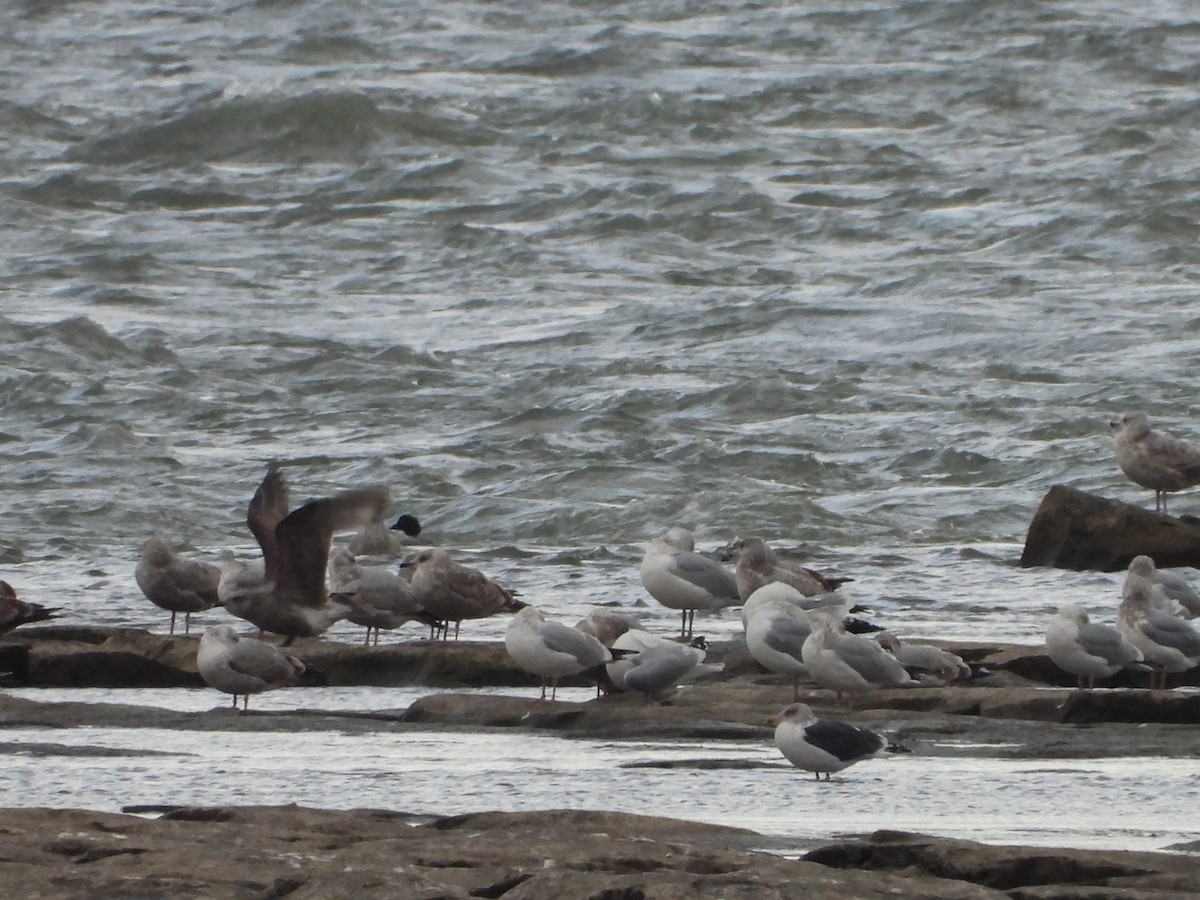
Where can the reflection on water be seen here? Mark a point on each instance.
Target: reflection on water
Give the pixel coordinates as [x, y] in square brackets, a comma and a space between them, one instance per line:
[1127, 803]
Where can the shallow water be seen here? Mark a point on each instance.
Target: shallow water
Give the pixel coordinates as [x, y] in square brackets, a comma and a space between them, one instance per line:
[863, 279]
[1147, 803]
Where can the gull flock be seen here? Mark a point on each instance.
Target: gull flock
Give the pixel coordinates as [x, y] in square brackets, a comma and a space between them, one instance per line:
[796, 622]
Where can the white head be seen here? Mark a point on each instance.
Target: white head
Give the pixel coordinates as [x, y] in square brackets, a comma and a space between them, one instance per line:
[1073, 612]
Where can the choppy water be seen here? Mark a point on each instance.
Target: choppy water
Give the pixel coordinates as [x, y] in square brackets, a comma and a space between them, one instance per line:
[863, 278]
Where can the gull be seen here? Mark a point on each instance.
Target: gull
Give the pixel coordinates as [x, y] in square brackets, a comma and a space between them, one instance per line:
[292, 599]
[450, 592]
[238, 575]
[387, 600]
[14, 613]
[832, 604]
[943, 664]
[550, 649]
[757, 565]
[1089, 650]
[174, 583]
[1167, 643]
[849, 664]
[775, 634]
[377, 539]
[241, 665]
[606, 625]
[680, 579]
[1176, 587]
[1154, 459]
[648, 664]
[825, 745]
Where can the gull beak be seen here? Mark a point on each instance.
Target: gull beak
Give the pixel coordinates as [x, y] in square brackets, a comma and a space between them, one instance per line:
[771, 720]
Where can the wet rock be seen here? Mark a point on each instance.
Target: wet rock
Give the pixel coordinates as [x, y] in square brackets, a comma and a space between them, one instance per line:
[1056, 872]
[302, 853]
[73, 656]
[296, 852]
[1076, 530]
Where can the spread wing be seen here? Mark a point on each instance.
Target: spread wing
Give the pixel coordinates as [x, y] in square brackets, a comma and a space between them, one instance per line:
[269, 507]
[303, 537]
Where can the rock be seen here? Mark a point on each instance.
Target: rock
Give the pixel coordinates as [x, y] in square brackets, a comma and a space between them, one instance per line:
[300, 853]
[304, 853]
[1076, 530]
[1127, 874]
[73, 656]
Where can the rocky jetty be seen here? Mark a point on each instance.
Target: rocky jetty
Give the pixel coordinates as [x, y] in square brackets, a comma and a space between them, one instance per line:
[1076, 530]
[308, 854]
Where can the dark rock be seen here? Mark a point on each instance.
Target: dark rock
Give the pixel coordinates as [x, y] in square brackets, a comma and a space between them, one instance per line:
[305, 853]
[1008, 868]
[1076, 530]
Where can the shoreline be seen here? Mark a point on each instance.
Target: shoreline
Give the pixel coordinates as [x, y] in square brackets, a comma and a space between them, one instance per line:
[300, 852]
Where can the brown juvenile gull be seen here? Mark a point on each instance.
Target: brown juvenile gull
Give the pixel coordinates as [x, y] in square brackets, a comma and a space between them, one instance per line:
[1089, 650]
[292, 599]
[551, 650]
[757, 565]
[378, 539]
[1169, 644]
[241, 665]
[1154, 459]
[176, 584]
[606, 625]
[14, 613]
[450, 592]
[386, 599]
[825, 745]
[680, 579]
[848, 664]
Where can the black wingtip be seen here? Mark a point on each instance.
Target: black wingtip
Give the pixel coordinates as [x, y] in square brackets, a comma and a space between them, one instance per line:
[861, 626]
[896, 748]
[408, 524]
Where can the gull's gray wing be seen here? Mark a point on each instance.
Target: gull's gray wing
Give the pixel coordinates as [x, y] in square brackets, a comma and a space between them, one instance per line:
[704, 573]
[787, 635]
[1172, 632]
[1106, 643]
[563, 639]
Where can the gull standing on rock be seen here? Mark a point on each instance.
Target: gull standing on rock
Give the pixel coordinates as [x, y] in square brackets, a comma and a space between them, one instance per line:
[757, 565]
[775, 634]
[1167, 643]
[848, 664]
[680, 579]
[176, 584]
[649, 664]
[551, 650]
[1154, 459]
[1089, 650]
[386, 599]
[292, 599]
[825, 745]
[241, 665]
[939, 663]
[14, 613]
[450, 592]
